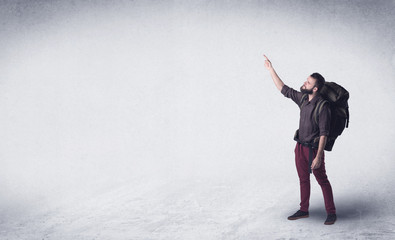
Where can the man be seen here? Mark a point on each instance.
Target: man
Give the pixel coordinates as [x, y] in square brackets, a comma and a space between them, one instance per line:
[309, 134]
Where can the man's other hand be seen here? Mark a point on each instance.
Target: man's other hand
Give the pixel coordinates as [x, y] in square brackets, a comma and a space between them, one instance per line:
[316, 163]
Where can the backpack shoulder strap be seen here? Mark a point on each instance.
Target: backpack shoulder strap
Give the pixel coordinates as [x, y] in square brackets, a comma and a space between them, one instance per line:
[318, 109]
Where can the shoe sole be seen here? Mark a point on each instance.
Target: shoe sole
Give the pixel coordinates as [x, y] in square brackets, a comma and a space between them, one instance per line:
[329, 223]
[296, 218]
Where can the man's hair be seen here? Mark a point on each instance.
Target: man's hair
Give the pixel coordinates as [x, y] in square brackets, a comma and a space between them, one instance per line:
[319, 81]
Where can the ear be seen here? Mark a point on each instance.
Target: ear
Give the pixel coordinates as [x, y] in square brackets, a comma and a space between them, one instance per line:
[315, 89]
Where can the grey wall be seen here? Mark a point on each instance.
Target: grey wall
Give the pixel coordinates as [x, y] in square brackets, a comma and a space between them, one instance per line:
[99, 92]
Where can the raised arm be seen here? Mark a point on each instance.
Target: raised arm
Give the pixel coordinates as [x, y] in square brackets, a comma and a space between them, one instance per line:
[276, 79]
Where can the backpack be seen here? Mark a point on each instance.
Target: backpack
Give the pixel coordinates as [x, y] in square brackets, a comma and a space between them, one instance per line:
[337, 98]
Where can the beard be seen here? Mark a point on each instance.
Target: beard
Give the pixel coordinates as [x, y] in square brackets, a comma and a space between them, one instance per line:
[306, 91]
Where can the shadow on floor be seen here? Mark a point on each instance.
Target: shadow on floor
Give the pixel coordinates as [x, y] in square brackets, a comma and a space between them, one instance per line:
[349, 209]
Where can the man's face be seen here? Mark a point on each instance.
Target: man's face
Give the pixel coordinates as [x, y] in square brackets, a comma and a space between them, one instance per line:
[308, 87]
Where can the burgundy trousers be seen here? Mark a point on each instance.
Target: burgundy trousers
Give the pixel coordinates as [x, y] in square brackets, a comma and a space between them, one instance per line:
[303, 168]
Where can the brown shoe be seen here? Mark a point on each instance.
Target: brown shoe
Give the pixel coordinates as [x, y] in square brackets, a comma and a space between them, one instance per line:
[331, 219]
[299, 214]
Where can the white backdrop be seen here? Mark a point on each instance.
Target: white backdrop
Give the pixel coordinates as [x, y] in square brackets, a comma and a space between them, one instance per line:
[158, 120]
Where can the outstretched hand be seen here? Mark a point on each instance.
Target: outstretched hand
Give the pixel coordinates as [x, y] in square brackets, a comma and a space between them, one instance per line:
[276, 79]
[268, 64]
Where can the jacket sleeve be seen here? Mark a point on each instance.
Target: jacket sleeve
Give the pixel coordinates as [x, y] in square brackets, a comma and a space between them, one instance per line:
[324, 120]
[292, 94]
